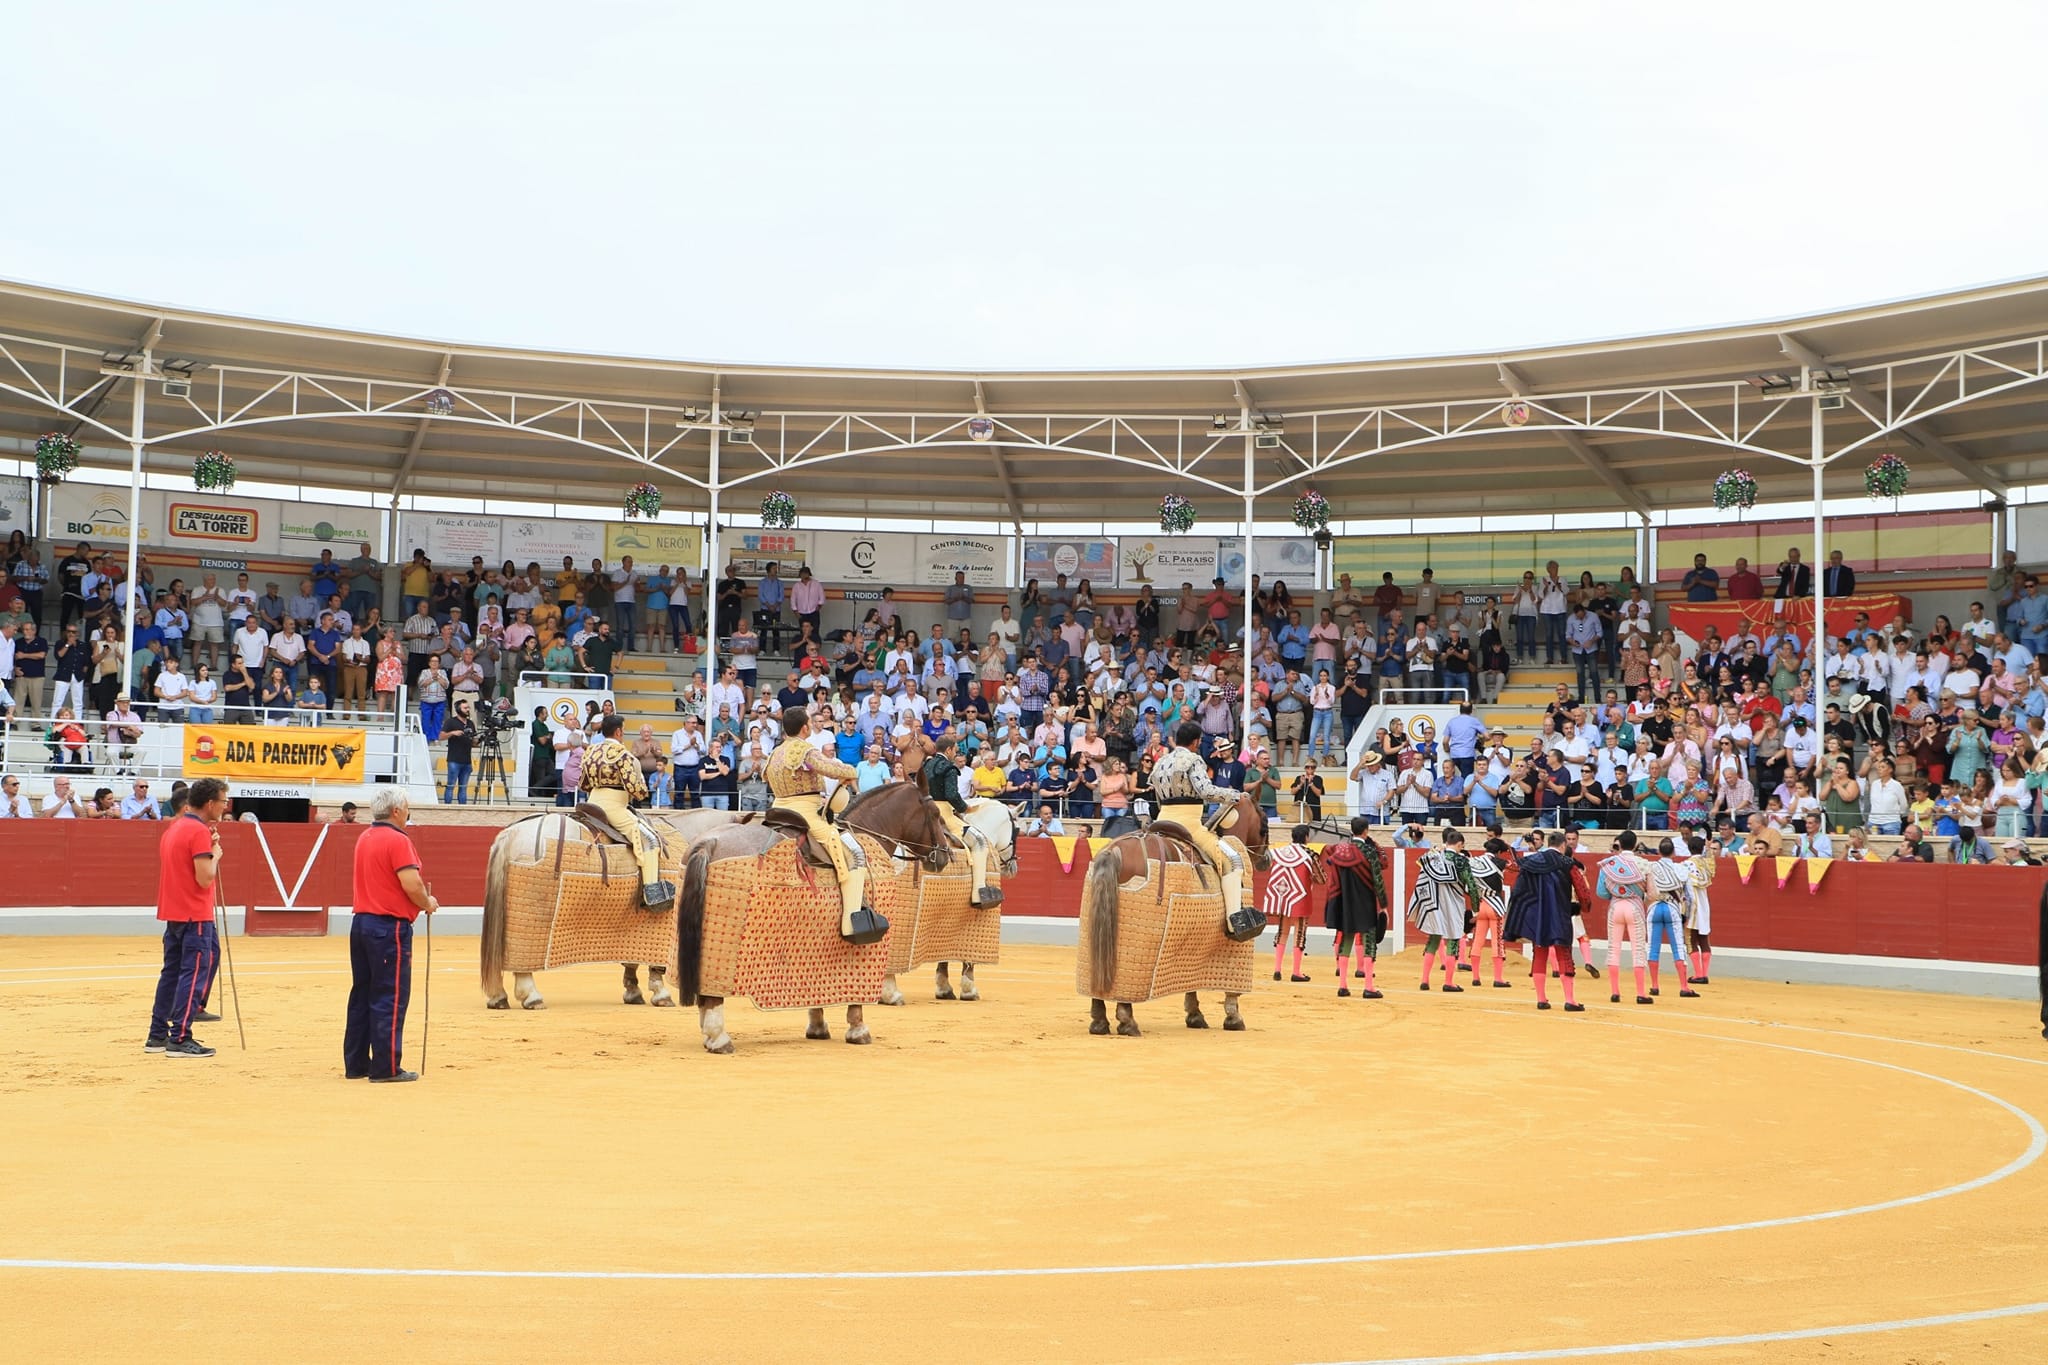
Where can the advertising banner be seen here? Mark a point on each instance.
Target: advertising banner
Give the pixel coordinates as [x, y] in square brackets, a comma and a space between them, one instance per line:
[543, 541]
[1289, 559]
[15, 513]
[302, 527]
[95, 512]
[211, 524]
[1166, 561]
[750, 552]
[882, 557]
[653, 544]
[1094, 560]
[984, 559]
[273, 753]
[451, 539]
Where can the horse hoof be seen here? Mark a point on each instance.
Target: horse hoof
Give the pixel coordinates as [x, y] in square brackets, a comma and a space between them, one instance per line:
[1099, 1027]
[664, 1002]
[1197, 1021]
[945, 995]
[635, 998]
[859, 1036]
[818, 1034]
[970, 995]
[892, 1001]
[1128, 1029]
[1234, 1024]
[501, 1003]
[725, 1049]
[534, 1004]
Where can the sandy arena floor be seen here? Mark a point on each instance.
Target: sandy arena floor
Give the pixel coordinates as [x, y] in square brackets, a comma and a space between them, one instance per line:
[1433, 1177]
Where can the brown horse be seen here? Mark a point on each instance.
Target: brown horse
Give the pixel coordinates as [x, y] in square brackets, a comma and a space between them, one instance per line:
[889, 807]
[1243, 820]
[893, 819]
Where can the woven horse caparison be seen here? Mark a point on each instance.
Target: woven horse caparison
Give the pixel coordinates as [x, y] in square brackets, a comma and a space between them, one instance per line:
[1152, 924]
[758, 915]
[558, 894]
[924, 887]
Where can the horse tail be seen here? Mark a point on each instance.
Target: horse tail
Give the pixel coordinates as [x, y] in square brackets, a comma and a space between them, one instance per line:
[1099, 907]
[496, 876]
[690, 922]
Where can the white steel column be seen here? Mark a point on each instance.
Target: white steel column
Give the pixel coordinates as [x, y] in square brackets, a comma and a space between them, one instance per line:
[1244, 720]
[141, 383]
[1820, 560]
[709, 654]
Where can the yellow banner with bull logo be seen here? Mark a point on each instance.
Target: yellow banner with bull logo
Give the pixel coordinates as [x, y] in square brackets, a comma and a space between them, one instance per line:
[277, 753]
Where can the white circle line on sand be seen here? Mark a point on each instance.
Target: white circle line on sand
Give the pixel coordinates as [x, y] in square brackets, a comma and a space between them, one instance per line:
[2037, 1144]
[1853, 1329]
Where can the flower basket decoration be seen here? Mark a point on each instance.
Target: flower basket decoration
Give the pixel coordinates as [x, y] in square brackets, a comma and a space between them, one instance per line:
[643, 500]
[56, 456]
[1311, 511]
[213, 471]
[1886, 476]
[1176, 514]
[1735, 488]
[778, 509]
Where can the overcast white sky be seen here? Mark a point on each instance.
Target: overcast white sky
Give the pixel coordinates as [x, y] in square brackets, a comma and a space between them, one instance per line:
[1024, 185]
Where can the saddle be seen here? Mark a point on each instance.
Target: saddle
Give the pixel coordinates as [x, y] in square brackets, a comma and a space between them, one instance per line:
[599, 825]
[794, 826]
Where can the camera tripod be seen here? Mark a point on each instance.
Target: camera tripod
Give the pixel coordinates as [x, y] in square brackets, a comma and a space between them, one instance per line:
[490, 769]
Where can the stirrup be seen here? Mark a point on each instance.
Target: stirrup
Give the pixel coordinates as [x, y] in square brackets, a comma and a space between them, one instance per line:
[657, 895]
[989, 898]
[867, 926]
[1243, 925]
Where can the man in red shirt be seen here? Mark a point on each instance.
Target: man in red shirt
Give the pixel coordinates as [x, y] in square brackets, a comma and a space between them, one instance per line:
[188, 857]
[389, 895]
[1744, 585]
[1386, 599]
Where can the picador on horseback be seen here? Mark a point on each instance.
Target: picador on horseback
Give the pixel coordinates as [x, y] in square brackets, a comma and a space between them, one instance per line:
[796, 775]
[942, 785]
[613, 782]
[1181, 783]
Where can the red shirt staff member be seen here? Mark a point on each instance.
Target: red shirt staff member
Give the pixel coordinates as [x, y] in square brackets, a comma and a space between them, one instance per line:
[389, 895]
[189, 861]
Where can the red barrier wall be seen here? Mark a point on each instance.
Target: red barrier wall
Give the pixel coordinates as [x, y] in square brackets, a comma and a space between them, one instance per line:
[1970, 914]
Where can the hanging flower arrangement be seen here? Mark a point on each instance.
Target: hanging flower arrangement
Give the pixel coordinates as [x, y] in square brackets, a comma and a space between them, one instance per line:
[1176, 514]
[1886, 476]
[1735, 488]
[778, 509]
[643, 500]
[214, 471]
[56, 456]
[1311, 511]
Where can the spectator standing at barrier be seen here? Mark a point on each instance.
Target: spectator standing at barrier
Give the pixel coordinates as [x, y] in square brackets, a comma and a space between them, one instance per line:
[1795, 577]
[1838, 579]
[13, 805]
[188, 855]
[1701, 583]
[626, 586]
[1582, 633]
[390, 894]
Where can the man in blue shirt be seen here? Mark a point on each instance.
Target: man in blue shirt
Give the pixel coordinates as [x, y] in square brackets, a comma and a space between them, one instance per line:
[326, 576]
[768, 617]
[321, 642]
[1462, 736]
[871, 771]
[1701, 584]
[1293, 642]
[2030, 613]
[1021, 786]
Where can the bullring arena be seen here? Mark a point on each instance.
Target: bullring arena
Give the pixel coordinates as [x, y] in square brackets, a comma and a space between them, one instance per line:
[1819, 1139]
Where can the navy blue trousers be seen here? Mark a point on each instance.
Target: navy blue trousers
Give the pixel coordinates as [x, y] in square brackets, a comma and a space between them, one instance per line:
[380, 960]
[191, 953]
